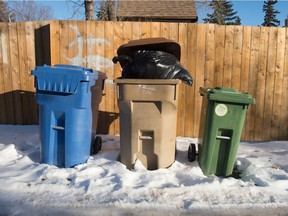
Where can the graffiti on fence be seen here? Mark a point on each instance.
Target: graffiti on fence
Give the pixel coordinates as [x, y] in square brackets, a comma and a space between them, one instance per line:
[4, 52]
[95, 61]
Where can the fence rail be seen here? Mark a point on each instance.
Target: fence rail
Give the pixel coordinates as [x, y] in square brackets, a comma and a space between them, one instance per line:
[250, 59]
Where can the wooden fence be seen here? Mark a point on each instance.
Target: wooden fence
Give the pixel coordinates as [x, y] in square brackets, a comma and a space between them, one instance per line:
[250, 59]
[20, 50]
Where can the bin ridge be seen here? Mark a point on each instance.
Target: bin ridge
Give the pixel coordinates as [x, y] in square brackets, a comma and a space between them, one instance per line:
[62, 78]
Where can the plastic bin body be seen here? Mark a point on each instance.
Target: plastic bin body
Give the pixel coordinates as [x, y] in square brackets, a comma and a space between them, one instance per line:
[68, 98]
[148, 121]
[222, 118]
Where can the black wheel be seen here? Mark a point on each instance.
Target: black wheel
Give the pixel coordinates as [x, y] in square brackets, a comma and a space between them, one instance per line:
[192, 152]
[96, 145]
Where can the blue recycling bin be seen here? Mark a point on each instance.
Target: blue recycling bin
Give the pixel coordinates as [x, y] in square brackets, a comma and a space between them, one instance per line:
[68, 97]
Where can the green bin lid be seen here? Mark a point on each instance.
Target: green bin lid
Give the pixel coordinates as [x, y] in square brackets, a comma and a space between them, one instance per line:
[227, 95]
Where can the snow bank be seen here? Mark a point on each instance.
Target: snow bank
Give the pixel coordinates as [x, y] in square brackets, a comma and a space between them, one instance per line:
[104, 186]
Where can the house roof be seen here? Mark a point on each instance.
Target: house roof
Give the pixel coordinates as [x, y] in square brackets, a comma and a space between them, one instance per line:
[157, 9]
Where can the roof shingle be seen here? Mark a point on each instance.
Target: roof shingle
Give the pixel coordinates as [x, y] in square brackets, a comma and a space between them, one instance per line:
[159, 9]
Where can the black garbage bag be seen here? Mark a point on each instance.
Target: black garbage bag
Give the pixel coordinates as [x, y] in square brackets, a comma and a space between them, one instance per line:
[145, 64]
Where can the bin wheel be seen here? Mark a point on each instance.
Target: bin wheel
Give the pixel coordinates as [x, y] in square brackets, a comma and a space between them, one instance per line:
[96, 145]
[192, 152]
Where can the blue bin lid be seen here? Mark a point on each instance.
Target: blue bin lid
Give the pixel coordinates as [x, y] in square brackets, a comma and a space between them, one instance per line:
[62, 78]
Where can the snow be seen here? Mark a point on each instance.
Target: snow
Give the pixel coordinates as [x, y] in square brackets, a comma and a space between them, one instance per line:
[103, 186]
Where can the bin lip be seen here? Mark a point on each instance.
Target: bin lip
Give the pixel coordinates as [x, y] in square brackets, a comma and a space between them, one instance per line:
[64, 78]
[227, 95]
[151, 44]
[85, 74]
[147, 81]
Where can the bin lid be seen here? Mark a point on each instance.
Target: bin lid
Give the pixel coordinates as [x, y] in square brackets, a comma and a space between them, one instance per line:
[227, 95]
[151, 44]
[63, 78]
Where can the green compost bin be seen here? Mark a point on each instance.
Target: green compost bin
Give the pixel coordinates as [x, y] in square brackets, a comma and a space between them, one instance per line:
[222, 117]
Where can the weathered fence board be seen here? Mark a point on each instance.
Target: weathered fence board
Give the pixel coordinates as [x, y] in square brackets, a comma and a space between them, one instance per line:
[270, 78]
[250, 59]
[181, 96]
[190, 91]
[8, 86]
[237, 54]
[210, 55]
[284, 110]
[3, 101]
[110, 94]
[278, 88]
[199, 75]
[261, 82]
[252, 80]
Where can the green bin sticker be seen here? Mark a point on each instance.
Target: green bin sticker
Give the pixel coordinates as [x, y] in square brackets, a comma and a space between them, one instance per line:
[221, 110]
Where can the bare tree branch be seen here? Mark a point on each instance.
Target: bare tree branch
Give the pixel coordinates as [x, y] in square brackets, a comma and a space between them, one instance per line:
[107, 10]
[5, 13]
[77, 6]
[202, 4]
[28, 10]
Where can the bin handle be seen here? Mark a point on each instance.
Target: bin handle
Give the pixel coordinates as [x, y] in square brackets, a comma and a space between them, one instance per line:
[58, 127]
[223, 137]
[145, 138]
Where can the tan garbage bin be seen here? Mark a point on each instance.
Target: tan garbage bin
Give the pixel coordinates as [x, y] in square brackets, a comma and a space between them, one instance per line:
[148, 121]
